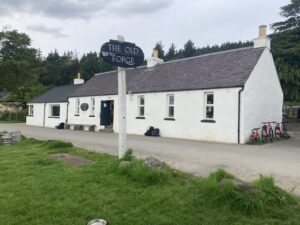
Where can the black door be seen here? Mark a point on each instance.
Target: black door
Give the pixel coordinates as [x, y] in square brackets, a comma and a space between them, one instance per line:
[105, 113]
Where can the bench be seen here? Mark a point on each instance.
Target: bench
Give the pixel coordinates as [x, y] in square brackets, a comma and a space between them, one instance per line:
[80, 127]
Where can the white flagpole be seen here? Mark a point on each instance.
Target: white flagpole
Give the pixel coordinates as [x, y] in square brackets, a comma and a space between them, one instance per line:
[122, 107]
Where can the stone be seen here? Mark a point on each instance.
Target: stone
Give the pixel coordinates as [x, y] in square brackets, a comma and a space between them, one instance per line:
[242, 185]
[154, 163]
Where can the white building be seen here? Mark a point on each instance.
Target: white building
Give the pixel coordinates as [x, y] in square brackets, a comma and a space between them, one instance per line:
[216, 97]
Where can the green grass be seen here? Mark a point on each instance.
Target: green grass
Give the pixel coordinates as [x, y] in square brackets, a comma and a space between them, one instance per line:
[37, 189]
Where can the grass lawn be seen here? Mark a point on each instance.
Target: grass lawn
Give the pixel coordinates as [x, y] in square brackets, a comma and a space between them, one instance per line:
[37, 189]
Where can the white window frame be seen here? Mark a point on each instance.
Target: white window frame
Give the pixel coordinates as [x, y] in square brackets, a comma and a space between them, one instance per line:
[169, 105]
[30, 110]
[206, 94]
[141, 105]
[51, 110]
[77, 106]
[92, 112]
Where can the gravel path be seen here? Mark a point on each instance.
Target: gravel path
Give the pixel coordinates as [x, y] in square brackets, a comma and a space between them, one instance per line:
[280, 159]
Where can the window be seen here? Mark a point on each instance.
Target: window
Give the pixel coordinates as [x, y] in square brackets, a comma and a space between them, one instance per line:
[170, 106]
[92, 113]
[209, 106]
[141, 106]
[30, 110]
[55, 110]
[77, 106]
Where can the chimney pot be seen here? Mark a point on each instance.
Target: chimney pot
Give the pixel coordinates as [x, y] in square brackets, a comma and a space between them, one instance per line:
[263, 41]
[155, 53]
[262, 31]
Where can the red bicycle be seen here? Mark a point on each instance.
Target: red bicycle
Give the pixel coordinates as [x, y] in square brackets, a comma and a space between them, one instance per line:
[280, 131]
[254, 137]
[267, 132]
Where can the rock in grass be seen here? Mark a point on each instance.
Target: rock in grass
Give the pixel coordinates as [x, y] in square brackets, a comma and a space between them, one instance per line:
[242, 185]
[154, 163]
[125, 164]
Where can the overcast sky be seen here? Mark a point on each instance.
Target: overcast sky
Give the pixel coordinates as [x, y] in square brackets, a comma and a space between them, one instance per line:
[83, 25]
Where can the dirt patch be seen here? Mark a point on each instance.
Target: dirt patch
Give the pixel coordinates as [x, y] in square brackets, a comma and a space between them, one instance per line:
[72, 159]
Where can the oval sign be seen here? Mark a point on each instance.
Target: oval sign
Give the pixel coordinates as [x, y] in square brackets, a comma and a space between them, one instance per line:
[84, 106]
[123, 54]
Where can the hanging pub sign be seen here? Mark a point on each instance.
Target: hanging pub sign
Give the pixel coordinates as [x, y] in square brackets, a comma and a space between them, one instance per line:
[123, 54]
[84, 106]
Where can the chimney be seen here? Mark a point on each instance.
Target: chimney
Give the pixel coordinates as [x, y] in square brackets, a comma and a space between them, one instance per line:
[78, 80]
[154, 60]
[263, 41]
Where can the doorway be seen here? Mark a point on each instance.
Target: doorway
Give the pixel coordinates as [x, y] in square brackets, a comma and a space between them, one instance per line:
[107, 113]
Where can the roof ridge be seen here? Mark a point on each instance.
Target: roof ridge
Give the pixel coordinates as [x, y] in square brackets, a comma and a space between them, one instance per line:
[209, 54]
[184, 59]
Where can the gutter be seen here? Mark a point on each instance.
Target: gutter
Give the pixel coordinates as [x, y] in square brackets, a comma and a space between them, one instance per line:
[44, 114]
[239, 116]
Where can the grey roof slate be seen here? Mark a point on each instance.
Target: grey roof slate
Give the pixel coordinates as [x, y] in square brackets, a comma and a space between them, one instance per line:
[217, 70]
[56, 94]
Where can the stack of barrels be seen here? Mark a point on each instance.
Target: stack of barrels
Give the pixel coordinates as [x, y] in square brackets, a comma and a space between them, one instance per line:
[8, 138]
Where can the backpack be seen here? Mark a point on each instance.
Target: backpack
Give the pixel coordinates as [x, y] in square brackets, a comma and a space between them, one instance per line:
[155, 132]
[149, 131]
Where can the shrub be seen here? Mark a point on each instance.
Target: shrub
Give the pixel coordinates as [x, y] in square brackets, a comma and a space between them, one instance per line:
[128, 156]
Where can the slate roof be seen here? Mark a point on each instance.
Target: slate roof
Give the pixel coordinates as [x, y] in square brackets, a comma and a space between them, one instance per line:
[56, 94]
[218, 70]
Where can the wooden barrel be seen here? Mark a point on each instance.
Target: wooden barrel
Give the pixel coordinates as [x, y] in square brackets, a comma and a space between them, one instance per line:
[16, 136]
[6, 138]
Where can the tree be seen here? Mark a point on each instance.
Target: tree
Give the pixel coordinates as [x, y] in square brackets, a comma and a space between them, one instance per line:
[292, 14]
[160, 48]
[20, 64]
[91, 63]
[60, 69]
[171, 52]
[189, 49]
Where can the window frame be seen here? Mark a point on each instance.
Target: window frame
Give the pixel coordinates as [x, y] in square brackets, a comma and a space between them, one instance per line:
[30, 110]
[206, 105]
[169, 105]
[92, 110]
[51, 110]
[141, 106]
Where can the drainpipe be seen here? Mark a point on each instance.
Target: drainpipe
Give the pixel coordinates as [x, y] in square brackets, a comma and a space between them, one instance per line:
[67, 111]
[239, 115]
[44, 114]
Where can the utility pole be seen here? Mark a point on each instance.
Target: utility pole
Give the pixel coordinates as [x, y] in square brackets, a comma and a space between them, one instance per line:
[122, 107]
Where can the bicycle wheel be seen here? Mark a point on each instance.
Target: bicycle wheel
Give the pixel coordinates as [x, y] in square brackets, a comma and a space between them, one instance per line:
[285, 133]
[277, 133]
[264, 134]
[251, 139]
[271, 134]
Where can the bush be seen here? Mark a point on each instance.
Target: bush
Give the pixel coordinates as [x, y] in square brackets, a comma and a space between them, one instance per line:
[128, 156]
[13, 116]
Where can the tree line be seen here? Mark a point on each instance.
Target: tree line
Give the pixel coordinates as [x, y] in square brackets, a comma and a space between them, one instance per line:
[25, 73]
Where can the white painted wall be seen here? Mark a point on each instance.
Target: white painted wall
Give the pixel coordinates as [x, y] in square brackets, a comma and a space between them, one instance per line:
[37, 118]
[189, 111]
[38, 115]
[262, 98]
